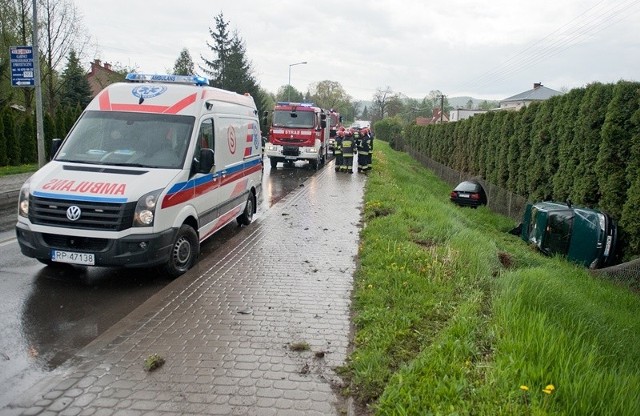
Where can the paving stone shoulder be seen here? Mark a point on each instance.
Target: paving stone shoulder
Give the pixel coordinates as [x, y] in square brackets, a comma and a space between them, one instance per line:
[227, 329]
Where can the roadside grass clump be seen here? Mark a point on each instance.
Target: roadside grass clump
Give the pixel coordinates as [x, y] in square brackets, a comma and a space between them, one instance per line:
[14, 170]
[454, 315]
[299, 346]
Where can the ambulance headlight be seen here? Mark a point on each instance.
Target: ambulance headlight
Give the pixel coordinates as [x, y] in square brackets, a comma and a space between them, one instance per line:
[271, 148]
[23, 199]
[145, 212]
[311, 150]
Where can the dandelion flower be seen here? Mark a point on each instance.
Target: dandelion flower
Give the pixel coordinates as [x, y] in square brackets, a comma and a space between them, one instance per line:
[524, 388]
[549, 389]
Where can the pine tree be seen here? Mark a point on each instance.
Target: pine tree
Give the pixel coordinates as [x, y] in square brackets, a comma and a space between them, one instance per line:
[75, 87]
[568, 145]
[524, 133]
[216, 68]
[230, 69]
[61, 130]
[615, 147]
[513, 154]
[49, 127]
[184, 64]
[537, 178]
[11, 137]
[28, 151]
[4, 160]
[630, 219]
[588, 129]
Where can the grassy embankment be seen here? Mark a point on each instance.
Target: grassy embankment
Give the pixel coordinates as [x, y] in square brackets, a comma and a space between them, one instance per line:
[453, 315]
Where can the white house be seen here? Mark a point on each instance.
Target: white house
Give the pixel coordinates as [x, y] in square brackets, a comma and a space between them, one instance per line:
[538, 93]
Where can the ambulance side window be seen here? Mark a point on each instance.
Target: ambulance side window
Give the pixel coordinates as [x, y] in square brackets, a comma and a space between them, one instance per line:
[205, 136]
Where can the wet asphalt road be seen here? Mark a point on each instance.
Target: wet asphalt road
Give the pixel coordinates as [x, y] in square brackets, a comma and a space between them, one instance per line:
[48, 314]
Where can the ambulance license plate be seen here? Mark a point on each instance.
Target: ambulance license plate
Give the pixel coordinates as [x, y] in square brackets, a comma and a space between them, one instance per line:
[87, 259]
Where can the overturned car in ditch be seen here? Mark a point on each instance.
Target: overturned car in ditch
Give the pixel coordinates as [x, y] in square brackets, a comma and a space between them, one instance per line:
[583, 235]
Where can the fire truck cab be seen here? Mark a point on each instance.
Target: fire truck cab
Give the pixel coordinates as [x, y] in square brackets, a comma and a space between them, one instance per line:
[298, 131]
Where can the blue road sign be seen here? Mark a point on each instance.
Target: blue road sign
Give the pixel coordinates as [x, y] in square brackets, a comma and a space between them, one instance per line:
[22, 71]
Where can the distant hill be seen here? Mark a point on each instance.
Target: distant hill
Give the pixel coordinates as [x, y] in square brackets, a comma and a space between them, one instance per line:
[455, 102]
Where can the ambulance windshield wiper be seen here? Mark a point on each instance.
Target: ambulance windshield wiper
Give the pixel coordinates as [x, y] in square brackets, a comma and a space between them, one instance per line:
[135, 165]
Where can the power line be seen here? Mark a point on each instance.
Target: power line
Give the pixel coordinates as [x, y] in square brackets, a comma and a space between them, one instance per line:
[565, 37]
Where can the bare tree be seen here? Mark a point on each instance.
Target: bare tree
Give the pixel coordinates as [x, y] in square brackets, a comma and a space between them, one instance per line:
[61, 30]
[381, 100]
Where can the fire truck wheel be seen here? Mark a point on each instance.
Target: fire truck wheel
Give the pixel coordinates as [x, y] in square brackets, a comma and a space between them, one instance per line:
[184, 252]
[247, 215]
[274, 163]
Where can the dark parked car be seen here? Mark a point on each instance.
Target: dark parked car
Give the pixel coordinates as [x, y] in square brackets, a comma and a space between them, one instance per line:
[469, 194]
[585, 236]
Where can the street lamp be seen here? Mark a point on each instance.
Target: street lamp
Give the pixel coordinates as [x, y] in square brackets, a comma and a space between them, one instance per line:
[290, 65]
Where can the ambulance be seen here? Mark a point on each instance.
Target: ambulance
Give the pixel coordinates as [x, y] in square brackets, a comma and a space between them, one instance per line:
[152, 168]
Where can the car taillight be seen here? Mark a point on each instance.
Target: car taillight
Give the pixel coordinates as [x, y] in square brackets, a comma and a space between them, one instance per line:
[475, 196]
[454, 194]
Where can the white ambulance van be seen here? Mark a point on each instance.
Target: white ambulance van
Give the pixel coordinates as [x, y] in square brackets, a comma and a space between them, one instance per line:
[151, 168]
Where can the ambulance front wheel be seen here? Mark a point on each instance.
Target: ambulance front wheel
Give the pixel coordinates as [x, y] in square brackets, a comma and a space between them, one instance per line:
[247, 215]
[184, 251]
[274, 162]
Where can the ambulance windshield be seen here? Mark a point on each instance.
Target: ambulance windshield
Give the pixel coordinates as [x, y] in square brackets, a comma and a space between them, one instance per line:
[128, 139]
[299, 119]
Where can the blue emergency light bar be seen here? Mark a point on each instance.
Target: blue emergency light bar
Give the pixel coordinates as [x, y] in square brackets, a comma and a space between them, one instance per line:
[175, 79]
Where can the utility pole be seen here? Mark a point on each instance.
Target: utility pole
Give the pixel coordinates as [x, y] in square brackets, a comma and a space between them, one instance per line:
[38, 87]
[441, 107]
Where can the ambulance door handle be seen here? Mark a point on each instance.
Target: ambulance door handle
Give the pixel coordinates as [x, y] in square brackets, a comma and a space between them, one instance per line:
[224, 173]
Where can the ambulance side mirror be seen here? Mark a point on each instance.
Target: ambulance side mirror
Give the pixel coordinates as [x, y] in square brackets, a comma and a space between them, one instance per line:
[55, 145]
[205, 162]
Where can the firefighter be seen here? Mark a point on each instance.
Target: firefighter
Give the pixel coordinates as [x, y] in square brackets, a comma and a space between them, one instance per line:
[363, 150]
[356, 137]
[337, 149]
[348, 148]
[369, 159]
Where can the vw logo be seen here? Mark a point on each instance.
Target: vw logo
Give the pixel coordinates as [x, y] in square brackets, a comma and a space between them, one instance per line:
[73, 213]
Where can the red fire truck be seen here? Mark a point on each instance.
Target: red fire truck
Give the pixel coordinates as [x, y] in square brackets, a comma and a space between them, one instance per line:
[298, 131]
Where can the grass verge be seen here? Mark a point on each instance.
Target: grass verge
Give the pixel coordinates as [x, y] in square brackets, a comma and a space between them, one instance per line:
[14, 170]
[453, 315]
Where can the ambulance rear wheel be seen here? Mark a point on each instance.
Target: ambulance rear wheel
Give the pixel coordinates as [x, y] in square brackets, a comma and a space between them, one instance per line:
[247, 215]
[184, 251]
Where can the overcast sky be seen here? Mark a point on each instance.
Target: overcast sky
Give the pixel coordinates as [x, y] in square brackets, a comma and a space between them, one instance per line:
[484, 49]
